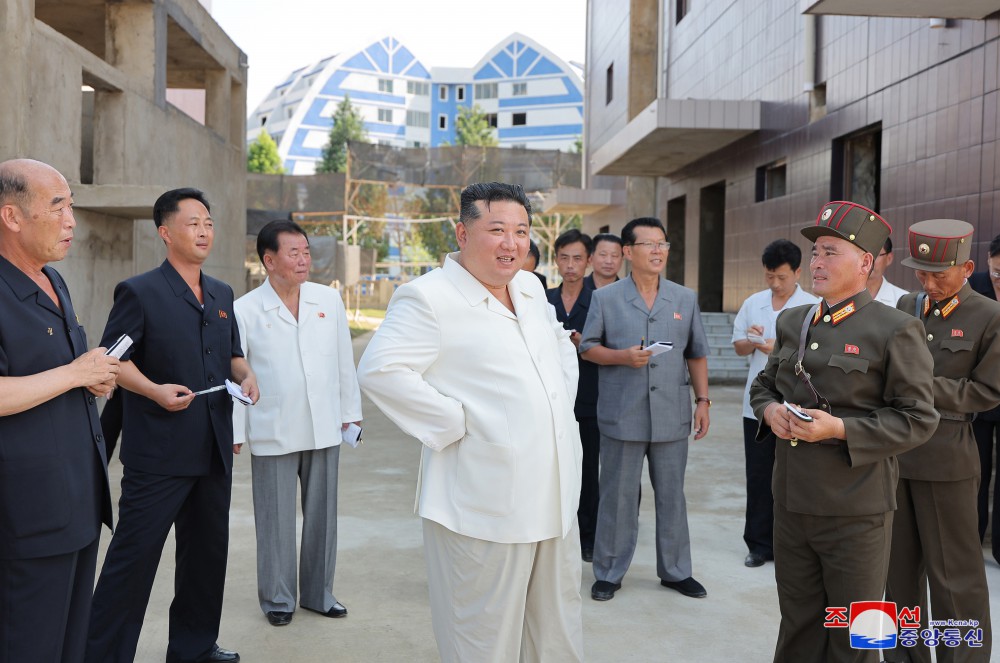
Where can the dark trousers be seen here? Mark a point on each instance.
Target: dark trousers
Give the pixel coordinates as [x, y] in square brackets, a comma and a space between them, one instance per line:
[987, 434]
[934, 543]
[759, 529]
[820, 562]
[45, 606]
[590, 495]
[149, 505]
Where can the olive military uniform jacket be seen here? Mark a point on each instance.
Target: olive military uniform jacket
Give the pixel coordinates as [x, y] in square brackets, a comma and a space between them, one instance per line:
[963, 335]
[871, 363]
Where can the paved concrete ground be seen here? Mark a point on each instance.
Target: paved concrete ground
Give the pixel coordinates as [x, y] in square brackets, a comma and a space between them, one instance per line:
[380, 571]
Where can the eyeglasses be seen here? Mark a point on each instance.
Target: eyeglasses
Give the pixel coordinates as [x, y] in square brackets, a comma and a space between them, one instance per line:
[663, 246]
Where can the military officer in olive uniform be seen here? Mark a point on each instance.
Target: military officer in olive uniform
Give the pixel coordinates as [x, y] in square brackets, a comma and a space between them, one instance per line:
[862, 372]
[935, 535]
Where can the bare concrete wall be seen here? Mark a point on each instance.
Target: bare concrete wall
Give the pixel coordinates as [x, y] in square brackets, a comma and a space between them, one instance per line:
[139, 142]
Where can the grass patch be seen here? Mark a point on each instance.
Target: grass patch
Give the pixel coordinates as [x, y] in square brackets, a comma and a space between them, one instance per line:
[366, 320]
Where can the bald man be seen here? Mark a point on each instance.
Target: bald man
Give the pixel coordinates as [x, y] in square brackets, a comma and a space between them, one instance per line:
[54, 491]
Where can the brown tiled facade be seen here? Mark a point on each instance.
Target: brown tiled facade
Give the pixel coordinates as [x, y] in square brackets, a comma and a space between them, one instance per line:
[929, 94]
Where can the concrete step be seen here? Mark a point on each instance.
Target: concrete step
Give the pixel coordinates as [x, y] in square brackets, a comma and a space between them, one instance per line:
[724, 365]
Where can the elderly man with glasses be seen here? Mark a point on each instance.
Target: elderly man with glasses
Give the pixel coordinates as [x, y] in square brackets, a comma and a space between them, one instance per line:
[645, 334]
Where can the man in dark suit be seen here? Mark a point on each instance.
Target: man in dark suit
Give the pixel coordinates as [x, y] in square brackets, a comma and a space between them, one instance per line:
[53, 473]
[177, 445]
[572, 301]
[986, 426]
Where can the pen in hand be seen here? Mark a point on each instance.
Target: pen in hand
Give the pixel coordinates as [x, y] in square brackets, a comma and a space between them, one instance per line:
[642, 343]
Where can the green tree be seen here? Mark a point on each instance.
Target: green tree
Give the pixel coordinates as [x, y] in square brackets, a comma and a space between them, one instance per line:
[348, 127]
[262, 155]
[578, 145]
[437, 238]
[472, 127]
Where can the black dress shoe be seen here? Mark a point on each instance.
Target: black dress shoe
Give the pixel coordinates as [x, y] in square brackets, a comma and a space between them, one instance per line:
[278, 618]
[219, 655]
[687, 587]
[338, 610]
[587, 553]
[604, 590]
[754, 559]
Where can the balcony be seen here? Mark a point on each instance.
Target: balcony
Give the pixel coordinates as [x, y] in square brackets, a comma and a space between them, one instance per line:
[569, 200]
[974, 9]
[670, 134]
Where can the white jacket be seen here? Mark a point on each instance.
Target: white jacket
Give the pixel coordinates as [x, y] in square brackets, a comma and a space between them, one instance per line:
[305, 371]
[490, 395]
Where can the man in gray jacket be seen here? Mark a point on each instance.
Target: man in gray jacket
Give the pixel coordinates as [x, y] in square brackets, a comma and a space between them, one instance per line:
[646, 335]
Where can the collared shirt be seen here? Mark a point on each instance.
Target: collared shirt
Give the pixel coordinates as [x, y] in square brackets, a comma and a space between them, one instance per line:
[304, 367]
[889, 294]
[757, 310]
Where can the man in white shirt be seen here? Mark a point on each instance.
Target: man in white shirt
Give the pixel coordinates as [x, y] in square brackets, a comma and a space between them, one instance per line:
[295, 336]
[878, 286]
[471, 361]
[753, 334]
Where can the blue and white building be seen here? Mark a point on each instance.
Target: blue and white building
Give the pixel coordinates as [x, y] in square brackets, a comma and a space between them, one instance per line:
[532, 97]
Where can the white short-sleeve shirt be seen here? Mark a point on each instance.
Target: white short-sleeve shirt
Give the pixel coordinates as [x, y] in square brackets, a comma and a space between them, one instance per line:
[757, 310]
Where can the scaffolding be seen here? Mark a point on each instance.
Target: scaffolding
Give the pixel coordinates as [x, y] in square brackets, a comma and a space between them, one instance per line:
[390, 187]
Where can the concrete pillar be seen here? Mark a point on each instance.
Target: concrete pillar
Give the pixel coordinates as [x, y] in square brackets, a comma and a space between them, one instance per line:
[217, 101]
[136, 43]
[641, 196]
[16, 18]
[237, 115]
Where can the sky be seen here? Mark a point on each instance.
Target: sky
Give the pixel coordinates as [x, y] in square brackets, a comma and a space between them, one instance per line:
[280, 36]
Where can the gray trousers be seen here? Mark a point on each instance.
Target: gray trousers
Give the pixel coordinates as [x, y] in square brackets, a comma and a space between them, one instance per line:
[274, 482]
[618, 513]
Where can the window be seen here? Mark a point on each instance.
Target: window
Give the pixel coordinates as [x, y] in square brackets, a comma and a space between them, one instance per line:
[855, 173]
[609, 84]
[443, 92]
[443, 122]
[460, 93]
[491, 118]
[519, 90]
[263, 120]
[683, 6]
[385, 85]
[414, 143]
[519, 146]
[289, 112]
[486, 90]
[519, 119]
[771, 181]
[418, 119]
[385, 142]
[418, 88]
[385, 115]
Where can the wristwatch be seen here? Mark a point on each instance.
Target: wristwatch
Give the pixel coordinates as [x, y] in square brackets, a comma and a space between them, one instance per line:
[703, 399]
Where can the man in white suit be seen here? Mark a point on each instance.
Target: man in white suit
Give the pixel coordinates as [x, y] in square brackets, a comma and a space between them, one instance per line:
[471, 362]
[295, 336]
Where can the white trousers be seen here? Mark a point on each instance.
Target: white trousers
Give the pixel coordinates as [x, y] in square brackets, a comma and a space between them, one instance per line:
[504, 602]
